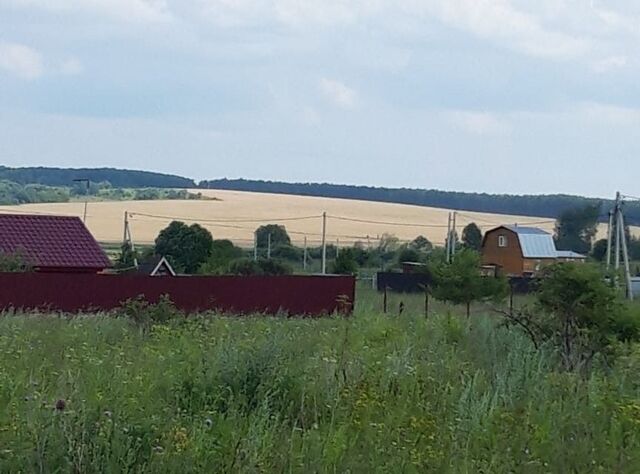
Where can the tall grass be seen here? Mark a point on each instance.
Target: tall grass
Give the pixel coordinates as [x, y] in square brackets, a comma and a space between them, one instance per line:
[373, 393]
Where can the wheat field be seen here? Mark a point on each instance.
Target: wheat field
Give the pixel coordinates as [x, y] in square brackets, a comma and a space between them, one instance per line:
[235, 215]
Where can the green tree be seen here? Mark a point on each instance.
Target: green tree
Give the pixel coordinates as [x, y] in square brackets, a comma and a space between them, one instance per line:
[127, 257]
[14, 263]
[223, 252]
[578, 314]
[599, 251]
[472, 237]
[421, 243]
[187, 247]
[345, 263]
[576, 228]
[407, 253]
[278, 234]
[460, 282]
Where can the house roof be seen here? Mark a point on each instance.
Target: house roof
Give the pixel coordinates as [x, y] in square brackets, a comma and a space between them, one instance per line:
[570, 254]
[51, 242]
[535, 243]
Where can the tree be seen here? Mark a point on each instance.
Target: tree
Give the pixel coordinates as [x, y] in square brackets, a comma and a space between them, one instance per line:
[576, 228]
[278, 234]
[409, 254]
[263, 266]
[599, 251]
[186, 247]
[14, 263]
[472, 237]
[421, 243]
[127, 257]
[345, 263]
[460, 282]
[223, 252]
[578, 314]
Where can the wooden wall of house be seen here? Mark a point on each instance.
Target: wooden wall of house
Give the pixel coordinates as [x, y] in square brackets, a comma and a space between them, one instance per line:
[508, 258]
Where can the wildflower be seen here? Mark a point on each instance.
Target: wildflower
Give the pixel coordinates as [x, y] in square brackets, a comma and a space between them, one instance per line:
[208, 422]
[107, 414]
[61, 405]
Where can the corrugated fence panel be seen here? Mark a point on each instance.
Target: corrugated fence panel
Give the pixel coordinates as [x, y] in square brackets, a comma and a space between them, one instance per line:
[295, 295]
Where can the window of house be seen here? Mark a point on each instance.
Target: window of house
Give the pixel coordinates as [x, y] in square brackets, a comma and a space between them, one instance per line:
[502, 241]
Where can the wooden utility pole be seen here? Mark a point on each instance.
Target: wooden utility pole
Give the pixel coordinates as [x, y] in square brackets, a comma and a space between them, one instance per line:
[617, 239]
[255, 246]
[128, 239]
[324, 243]
[304, 255]
[269, 246]
[448, 242]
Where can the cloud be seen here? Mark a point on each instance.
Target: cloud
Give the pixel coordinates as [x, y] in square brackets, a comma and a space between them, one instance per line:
[609, 64]
[478, 123]
[338, 93]
[127, 10]
[71, 67]
[20, 60]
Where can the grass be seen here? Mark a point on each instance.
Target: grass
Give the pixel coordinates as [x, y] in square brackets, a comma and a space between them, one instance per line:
[372, 393]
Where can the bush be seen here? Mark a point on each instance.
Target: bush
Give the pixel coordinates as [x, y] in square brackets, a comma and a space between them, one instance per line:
[14, 263]
[579, 315]
[247, 266]
[345, 263]
[145, 315]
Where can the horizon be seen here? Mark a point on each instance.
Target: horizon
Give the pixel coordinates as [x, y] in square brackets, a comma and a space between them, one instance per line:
[498, 97]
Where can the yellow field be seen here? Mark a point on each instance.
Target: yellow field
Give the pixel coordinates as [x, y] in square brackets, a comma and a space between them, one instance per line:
[237, 214]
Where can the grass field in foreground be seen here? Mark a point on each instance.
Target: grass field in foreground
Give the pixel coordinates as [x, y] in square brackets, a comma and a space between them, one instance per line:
[373, 393]
[105, 219]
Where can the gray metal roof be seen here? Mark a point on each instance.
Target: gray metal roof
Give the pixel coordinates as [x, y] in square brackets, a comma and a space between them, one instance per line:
[569, 254]
[535, 243]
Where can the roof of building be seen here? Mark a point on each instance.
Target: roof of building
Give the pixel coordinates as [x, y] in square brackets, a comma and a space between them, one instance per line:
[535, 243]
[570, 254]
[51, 242]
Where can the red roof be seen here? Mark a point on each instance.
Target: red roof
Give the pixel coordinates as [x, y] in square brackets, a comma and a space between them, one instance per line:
[52, 242]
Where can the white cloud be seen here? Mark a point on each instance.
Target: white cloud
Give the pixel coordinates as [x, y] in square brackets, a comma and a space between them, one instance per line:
[71, 67]
[338, 93]
[478, 123]
[20, 60]
[609, 64]
[127, 10]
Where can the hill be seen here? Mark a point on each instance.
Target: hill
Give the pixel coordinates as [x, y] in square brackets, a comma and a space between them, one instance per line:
[550, 206]
[236, 214]
[116, 177]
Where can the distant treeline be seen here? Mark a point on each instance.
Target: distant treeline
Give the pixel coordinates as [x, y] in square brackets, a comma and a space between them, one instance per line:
[551, 205]
[116, 177]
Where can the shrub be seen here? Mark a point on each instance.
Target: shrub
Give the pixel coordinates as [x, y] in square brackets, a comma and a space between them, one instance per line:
[145, 315]
[578, 314]
[345, 263]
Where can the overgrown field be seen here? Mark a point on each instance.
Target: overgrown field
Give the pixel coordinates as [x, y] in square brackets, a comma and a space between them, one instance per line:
[373, 393]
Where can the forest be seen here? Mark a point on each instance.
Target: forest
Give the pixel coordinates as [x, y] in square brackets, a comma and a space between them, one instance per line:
[551, 205]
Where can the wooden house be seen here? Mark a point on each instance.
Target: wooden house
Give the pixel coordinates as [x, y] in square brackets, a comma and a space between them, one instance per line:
[522, 251]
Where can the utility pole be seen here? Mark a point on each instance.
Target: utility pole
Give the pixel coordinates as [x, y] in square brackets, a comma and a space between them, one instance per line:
[86, 196]
[128, 239]
[255, 245]
[454, 236]
[609, 239]
[324, 243]
[269, 246]
[448, 242]
[617, 239]
[304, 255]
[337, 248]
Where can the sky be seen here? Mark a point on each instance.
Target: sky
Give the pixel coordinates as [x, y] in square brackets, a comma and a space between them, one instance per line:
[516, 96]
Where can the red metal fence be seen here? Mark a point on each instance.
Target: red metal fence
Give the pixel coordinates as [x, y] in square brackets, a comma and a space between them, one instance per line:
[295, 295]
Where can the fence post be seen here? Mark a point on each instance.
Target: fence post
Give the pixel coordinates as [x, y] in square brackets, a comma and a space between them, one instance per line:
[384, 300]
[426, 301]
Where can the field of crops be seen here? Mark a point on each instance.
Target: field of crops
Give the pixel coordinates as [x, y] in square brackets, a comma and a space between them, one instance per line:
[235, 215]
[373, 393]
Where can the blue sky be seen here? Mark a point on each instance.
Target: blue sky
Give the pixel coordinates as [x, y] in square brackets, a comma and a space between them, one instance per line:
[474, 95]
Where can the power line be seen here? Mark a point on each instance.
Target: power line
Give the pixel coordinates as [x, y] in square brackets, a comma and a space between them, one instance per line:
[399, 224]
[239, 221]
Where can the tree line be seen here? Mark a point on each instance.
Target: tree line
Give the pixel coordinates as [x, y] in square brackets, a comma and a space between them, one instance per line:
[551, 205]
